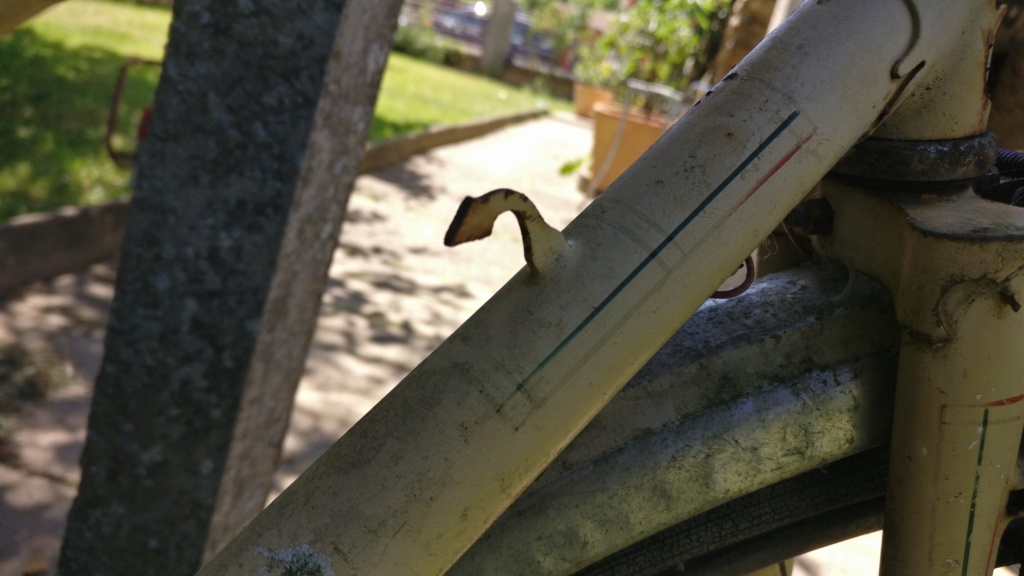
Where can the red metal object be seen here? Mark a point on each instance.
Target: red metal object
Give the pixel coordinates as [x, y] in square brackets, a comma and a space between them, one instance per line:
[147, 115]
[748, 279]
[126, 159]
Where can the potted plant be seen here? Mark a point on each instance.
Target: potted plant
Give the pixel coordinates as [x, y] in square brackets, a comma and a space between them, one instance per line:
[561, 30]
[596, 75]
[666, 42]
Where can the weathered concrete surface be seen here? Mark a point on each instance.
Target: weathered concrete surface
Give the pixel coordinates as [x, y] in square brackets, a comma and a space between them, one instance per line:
[38, 246]
[383, 154]
[330, 165]
[497, 40]
[213, 193]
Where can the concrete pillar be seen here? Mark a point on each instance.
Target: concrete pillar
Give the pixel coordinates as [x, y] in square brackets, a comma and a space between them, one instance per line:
[258, 130]
[497, 42]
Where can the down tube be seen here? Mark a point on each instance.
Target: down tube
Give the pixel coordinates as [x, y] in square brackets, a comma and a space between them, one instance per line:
[421, 476]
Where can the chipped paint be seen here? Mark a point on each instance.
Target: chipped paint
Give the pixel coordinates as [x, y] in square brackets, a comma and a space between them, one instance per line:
[299, 560]
[475, 218]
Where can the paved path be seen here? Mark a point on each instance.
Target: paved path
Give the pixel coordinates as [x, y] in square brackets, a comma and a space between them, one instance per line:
[395, 293]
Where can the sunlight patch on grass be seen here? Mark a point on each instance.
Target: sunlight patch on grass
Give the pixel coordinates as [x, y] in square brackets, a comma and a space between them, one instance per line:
[57, 76]
[55, 89]
[416, 94]
[124, 29]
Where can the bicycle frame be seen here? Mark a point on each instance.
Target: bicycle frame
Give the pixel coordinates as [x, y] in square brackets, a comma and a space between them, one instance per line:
[419, 478]
[752, 391]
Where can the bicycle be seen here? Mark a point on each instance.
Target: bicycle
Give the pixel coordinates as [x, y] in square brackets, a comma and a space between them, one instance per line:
[491, 409]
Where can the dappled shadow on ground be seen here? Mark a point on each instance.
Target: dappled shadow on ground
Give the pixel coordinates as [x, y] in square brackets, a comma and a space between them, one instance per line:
[393, 295]
[412, 177]
[51, 343]
[32, 511]
[55, 104]
[60, 326]
[65, 316]
[385, 319]
[374, 327]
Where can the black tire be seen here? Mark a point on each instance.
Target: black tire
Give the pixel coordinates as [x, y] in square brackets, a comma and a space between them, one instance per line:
[839, 501]
[833, 503]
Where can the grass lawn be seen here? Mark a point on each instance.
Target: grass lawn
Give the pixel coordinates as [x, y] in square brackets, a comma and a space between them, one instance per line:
[57, 74]
[415, 94]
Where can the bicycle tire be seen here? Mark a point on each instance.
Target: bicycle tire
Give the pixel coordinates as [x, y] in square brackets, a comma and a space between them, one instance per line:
[839, 497]
[842, 500]
[839, 501]
[654, 458]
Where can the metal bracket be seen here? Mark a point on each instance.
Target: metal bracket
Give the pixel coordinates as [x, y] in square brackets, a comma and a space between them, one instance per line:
[475, 218]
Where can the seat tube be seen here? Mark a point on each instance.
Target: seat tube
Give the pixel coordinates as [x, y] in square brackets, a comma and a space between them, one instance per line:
[905, 213]
[955, 264]
[956, 433]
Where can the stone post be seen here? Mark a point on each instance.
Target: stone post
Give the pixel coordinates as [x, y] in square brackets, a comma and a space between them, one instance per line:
[240, 191]
[497, 43]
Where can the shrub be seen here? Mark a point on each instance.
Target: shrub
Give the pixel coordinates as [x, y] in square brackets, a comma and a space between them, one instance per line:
[669, 42]
[416, 37]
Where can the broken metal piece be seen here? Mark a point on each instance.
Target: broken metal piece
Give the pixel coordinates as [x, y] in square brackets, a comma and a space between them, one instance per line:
[475, 218]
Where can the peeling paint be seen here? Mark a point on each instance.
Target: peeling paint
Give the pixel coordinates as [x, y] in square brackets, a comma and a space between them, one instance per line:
[475, 217]
[299, 560]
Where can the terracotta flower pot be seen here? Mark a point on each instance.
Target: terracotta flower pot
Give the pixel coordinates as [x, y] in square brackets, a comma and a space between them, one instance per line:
[640, 132]
[584, 97]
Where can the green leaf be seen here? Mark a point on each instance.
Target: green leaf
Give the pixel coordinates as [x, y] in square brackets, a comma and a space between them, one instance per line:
[571, 166]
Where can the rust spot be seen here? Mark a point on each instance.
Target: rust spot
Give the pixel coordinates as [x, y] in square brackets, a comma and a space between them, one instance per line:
[460, 231]
[990, 45]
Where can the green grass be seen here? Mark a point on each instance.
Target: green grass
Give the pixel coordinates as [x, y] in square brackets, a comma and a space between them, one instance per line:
[57, 74]
[416, 94]
[56, 78]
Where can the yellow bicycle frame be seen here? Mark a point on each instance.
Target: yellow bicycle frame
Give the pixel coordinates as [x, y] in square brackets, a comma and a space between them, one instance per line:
[420, 477]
